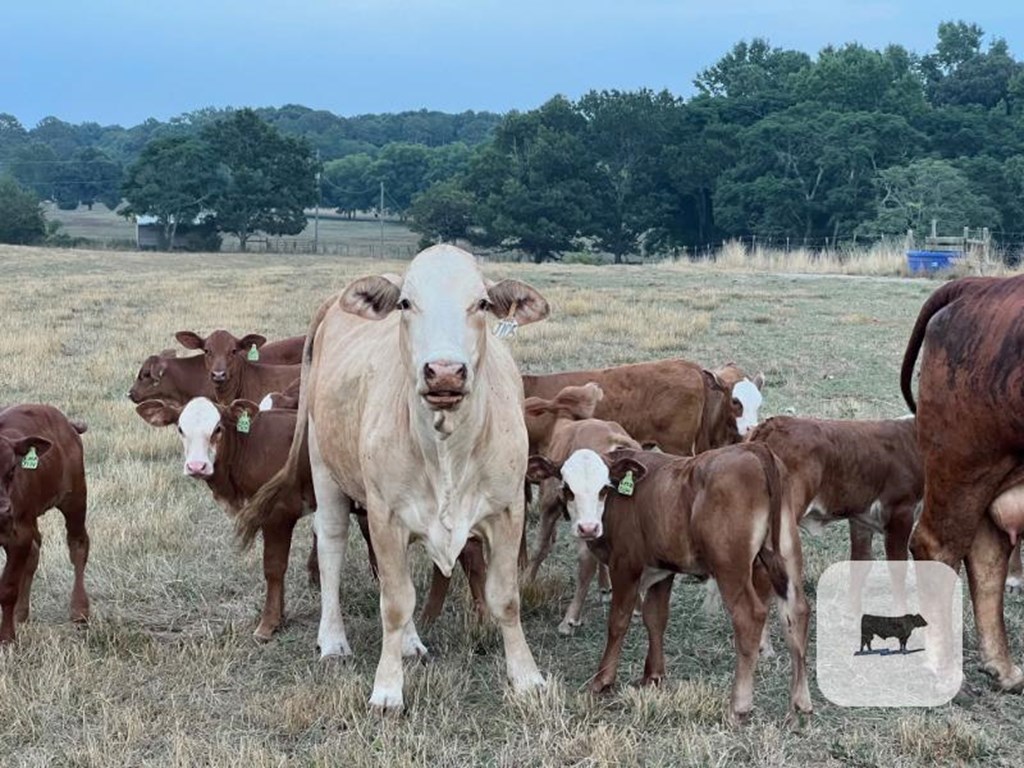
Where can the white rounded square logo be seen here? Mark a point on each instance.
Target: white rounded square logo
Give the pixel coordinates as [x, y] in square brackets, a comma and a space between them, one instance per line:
[889, 634]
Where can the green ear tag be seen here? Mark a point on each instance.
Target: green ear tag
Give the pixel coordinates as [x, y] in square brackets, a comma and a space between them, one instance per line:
[626, 484]
[253, 354]
[30, 460]
[244, 422]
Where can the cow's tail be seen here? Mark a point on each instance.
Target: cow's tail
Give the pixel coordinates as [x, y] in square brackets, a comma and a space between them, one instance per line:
[260, 509]
[942, 297]
[770, 553]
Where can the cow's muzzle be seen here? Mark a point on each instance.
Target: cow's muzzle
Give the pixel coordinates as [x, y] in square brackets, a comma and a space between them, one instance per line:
[445, 384]
[219, 377]
[201, 469]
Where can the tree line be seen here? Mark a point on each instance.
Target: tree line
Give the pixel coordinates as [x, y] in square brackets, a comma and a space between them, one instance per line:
[774, 144]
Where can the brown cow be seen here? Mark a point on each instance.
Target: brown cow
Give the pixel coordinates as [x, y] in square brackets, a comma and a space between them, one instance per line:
[724, 514]
[559, 429]
[287, 351]
[970, 416]
[41, 467]
[171, 378]
[674, 403]
[866, 472]
[234, 376]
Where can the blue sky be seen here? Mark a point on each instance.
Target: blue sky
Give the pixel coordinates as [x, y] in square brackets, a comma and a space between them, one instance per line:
[121, 61]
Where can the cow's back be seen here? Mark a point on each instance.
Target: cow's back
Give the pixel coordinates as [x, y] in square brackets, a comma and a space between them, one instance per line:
[661, 401]
[59, 471]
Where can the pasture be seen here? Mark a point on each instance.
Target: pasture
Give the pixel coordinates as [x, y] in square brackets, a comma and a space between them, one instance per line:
[167, 672]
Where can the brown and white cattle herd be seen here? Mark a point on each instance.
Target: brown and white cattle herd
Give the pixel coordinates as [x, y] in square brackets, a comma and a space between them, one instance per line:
[401, 407]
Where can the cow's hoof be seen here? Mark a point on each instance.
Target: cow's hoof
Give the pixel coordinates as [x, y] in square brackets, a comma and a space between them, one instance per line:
[413, 647]
[21, 615]
[337, 649]
[263, 633]
[532, 681]
[568, 627]
[385, 703]
[798, 716]
[599, 686]
[1014, 584]
[651, 681]
[738, 718]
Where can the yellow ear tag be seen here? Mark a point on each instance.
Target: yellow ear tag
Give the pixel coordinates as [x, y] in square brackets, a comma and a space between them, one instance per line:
[31, 459]
[244, 423]
[626, 484]
[253, 354]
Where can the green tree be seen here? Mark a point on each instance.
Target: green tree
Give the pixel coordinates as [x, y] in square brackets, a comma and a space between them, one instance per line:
[21, 217]
[926, 189]
[176, 180]
[347, 184]
[405, 170]
[267, 179]
[443, 213]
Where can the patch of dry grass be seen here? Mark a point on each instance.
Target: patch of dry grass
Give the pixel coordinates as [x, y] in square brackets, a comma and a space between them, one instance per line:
[167, 672]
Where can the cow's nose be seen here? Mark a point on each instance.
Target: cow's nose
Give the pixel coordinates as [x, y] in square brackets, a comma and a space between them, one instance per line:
[588, 530]
[445, 371]
[197, 468]
[219, 376]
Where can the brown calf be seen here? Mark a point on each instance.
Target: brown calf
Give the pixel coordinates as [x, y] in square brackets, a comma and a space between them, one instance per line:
[234, 377]
[235, 464]
[724, 514]
[558, 428]
[41, 467]
[866, 472]
[171, 378]
[676, 404]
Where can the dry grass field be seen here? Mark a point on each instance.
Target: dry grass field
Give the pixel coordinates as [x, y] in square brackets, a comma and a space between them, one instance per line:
[167, 672]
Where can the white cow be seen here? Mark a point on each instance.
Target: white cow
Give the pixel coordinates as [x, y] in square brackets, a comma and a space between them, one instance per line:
[413, 410]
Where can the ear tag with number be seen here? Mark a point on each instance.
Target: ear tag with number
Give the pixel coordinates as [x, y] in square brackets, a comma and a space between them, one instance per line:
[626, 484]
[506, 329]
[30, 460]
[244, 423]
[253, 354]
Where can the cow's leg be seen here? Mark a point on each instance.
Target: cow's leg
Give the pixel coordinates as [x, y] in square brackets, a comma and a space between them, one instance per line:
[625, 586]
[986, 574]
[330, 522]
[1015, 577]
[313, 564]
[655, 620]
[586, 565]
[763, 586]
[73, 508]
[604, 582]
[21, 608]
[474, 565]
[550, 512]
[897, 542]
[860, 563]
[502, 534]
[439, 584]
[748, 615]
[364, 529]
[10, 583]
[397, 603]
[277, 543]
[796, 621]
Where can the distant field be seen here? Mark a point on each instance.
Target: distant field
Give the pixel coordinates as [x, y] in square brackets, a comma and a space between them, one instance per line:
[338, 235]
[167, 672]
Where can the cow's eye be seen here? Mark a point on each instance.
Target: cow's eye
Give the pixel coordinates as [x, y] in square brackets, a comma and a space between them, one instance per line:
[403, 304]
[568, 492]
[181, 432]
[603, 492]
[483, 305]
[216, 430]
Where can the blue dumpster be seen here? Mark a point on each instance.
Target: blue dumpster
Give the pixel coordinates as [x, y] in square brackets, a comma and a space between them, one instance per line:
[930, 261]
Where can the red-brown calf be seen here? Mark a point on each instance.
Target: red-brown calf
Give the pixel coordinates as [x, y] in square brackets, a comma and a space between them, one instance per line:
[41, 467]
[234, 376]
[172, 379]
[724, 514]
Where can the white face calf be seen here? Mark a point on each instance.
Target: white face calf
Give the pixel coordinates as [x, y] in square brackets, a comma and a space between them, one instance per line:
[200, 429]
[586, 482]
[747, 402]
[444, 302]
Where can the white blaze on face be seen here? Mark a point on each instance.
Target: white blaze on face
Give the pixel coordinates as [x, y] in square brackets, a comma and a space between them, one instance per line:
[586, 475]
[445, 321]
[750, 398]
[197, 423]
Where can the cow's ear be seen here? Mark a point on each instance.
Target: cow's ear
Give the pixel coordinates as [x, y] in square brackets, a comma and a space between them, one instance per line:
[514, 297]
[712, 381]
[540, 468]
[623, 465]
[190, 339]
[239, 411]
[157, 413]
[250, 340]
[373, 297]
[24, 445]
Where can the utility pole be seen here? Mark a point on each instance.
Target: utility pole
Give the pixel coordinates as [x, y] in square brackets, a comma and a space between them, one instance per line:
[316, 214]
[381, 211]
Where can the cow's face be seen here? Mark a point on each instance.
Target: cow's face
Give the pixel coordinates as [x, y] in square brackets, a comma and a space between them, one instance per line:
[746, 404]
[444, 304]
[12, 451]
[225, 354]
[917, 620]
[149, 382]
